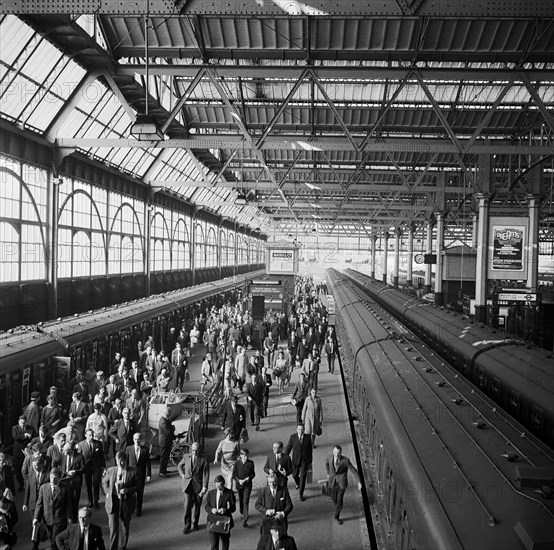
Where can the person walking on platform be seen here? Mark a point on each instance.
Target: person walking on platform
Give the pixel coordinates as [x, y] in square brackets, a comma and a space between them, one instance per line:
[119, 486]
[122, 431]
[234, 416]
[273, 502]
[312, 415]
[73, 468]
[279, 464]
[53, 506]
[255, 395]
[138, 457]
[331, 352]
[82, 535]
[276, 539]
[166, 435]
[299, 396]
[206, 372]
[301, 446]
[267, 381]
[194, 470]
[220, 502]
[94, 457]
[243, 474]
[228, 452]
[337, 467]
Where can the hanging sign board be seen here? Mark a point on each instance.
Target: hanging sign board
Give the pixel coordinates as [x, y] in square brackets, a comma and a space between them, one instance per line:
[507, 248]
[282, 261]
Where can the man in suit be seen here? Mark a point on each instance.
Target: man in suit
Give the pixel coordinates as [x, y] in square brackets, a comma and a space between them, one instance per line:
[166, 435]
[234, 416]
[21, 435]
[337, 467]
[138, 457]
[122, 431]
[73, 468]
[331, 352]
[274, 502]
[243, 474]
[221, 502]
[279, 464]
[276, 539]
[299, 396]
[6, 473]
[194, 470]
[94, 458]
[38, 476]
[119, 486]
[255, 394]
[84, 534]
[55, 451]
[53, 506]
[179, 366]
[78, 413]
[301, 446]
[137, 407]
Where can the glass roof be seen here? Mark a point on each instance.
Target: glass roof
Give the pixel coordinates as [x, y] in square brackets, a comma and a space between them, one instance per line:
[36, 82]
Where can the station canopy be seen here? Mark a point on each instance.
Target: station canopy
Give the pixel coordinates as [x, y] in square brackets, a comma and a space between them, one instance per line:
[348, 117]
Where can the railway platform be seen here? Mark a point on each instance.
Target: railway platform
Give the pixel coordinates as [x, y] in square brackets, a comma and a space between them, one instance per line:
[310, 523]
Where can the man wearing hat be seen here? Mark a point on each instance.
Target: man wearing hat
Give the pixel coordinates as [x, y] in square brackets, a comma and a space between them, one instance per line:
[276, 539]
[220, 502]
[32, 412]
[234, 416]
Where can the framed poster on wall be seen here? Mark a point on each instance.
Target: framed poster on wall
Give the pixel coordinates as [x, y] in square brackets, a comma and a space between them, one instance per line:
[507, 248]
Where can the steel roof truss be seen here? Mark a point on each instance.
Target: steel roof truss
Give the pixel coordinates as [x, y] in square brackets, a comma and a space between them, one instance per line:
[539, 102]
[179, 105]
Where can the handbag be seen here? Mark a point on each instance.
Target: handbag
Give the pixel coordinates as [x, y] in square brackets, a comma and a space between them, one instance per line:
[219, 524]
[319, 431]
[244, 436]
[40, 532]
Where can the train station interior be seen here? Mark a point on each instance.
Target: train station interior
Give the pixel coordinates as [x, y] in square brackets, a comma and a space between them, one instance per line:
[149, 148]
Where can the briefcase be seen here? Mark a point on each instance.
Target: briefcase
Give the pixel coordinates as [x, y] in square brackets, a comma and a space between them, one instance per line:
[219, 524]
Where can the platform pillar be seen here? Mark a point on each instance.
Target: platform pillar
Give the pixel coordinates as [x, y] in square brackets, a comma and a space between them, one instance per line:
[482, 257]
[396, 258]
[385, 255]
[439, 216]
[53, 252]
[373, 253]
[474, 219]
[533, 243]
[410, 258]
[428, 250]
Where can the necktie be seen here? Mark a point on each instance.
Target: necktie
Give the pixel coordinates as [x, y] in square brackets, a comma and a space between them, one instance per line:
[336, 463]
[217, 500]
[85, 538]
[137, 452]
[67, 464]
[55, 491]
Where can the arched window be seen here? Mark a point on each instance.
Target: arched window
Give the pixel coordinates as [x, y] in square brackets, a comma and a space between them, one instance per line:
[199, 246]
[9, 253]
[211, 248]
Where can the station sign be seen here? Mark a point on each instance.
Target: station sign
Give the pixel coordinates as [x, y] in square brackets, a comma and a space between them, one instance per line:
[517, 296]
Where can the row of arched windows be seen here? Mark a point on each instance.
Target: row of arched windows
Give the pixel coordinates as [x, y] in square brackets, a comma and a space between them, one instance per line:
[103, 232]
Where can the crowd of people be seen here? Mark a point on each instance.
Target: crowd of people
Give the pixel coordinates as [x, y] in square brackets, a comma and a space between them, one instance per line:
[57, 448]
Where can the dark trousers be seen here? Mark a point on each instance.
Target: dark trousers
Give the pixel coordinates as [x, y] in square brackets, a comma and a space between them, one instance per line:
[190, 499]
[299, 407]
[74, 489]
[92, 482]
[140, 497]
[337, 494]
[216, 537]
[300, 476]
[54, 530]
[265, 403]
[244, 498]
[331, 363]
[256, 412]
[164, 459]
[119, 522]
[180, 379]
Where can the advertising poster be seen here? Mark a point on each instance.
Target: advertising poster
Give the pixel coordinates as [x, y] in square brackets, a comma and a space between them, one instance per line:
[507, 246]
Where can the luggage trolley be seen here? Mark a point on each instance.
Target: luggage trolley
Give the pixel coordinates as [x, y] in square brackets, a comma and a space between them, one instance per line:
[188, 413]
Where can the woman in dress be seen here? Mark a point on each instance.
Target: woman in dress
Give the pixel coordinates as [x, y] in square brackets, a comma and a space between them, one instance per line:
[51, 416]
[280, 370]
[312, 415]
[228, 453]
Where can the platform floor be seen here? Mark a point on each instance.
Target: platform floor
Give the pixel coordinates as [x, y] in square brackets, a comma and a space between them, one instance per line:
[310, 523]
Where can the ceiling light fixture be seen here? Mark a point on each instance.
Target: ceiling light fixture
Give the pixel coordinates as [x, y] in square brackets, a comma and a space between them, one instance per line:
[145, 127]
[311, 186]
[241, 200]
